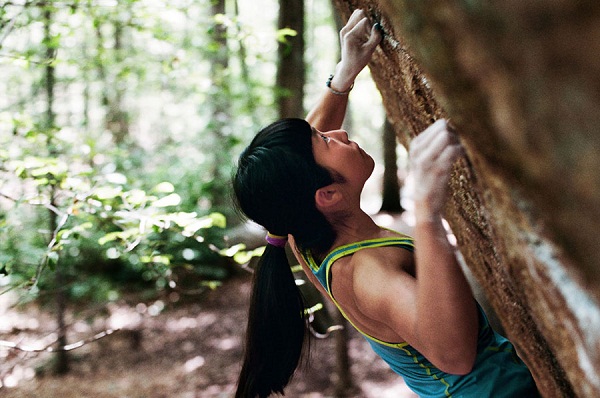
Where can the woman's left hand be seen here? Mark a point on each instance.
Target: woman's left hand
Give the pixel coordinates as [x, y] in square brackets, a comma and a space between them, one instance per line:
[358, 39]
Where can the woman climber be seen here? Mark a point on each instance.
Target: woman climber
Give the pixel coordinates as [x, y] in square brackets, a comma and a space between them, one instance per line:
[302, 181]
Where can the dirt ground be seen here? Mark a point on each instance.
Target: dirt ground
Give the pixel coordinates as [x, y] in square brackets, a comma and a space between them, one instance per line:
[183, 350]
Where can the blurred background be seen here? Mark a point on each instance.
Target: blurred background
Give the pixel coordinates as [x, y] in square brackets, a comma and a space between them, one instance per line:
[124, 270]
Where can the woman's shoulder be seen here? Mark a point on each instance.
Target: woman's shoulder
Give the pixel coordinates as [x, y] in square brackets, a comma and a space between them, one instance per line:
[383, 247]
[393, 254]
[390, 252]
[386, 232]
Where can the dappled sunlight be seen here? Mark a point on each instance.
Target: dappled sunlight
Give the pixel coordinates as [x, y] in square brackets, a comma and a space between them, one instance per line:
[16, 376]
[206, 319]
[227, 343]
[394, 389]
[193, 364]
[185, 350]
[174, 325]
[12, 321]
[123, 318]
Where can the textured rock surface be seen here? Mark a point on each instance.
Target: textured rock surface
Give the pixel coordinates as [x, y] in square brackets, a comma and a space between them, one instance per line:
[520, 81]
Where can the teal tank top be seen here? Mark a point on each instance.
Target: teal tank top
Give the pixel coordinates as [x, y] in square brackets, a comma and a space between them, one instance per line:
[498, 372]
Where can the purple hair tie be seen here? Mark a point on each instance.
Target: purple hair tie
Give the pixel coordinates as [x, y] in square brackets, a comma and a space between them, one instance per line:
[276, 240]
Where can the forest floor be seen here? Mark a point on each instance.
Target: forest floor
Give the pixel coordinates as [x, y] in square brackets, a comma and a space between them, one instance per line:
[186, 349]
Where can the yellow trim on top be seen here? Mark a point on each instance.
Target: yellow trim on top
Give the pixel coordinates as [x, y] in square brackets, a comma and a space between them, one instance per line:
[340, 252]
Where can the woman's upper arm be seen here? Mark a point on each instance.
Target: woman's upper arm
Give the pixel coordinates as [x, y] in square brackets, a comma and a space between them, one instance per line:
[386, 294]
[328, 114]
[389, 295]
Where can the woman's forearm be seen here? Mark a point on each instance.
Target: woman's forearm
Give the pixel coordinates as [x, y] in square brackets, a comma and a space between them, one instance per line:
[358, 42]
[446, 310]
[329, 112]
[446, 313]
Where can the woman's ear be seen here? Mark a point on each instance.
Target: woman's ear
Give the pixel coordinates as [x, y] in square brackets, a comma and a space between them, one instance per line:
[327, 196]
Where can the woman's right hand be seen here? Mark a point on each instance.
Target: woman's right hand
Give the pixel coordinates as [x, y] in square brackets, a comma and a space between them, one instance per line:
[432, 154]
[358, 40]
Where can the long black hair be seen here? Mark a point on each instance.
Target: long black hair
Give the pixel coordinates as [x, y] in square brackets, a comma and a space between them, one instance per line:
[275, 186]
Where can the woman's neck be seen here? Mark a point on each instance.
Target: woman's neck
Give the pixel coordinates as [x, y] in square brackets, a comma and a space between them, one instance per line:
[355, 227]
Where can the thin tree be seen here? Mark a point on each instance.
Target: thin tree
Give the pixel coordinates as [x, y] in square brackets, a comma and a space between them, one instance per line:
[344, 383]
[391, 186]
[116, 119]
[291, 69]
[62, 364]
[250, 99]
[219, 99]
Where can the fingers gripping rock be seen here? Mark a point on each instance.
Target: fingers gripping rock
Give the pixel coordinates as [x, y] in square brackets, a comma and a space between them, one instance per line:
[432, 155]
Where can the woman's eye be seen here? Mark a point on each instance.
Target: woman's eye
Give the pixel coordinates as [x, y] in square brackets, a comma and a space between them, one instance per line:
[325, 138]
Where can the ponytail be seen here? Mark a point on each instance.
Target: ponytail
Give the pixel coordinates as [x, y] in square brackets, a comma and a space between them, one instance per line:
[276, 328]
[274, 186]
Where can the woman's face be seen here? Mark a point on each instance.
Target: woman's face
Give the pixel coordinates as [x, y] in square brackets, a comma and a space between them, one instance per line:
[335, 152]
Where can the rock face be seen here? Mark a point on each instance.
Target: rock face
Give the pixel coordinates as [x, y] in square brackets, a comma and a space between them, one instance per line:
[520, 81]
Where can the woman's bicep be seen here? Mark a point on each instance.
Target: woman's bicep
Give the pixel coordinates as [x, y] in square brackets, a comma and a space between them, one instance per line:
[387, 295]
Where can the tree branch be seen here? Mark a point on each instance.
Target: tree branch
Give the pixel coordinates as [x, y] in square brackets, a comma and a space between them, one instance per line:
[49, 348]
[28, 201]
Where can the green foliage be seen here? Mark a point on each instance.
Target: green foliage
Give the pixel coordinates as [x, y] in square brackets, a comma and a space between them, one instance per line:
[122, 177]
[240, 255]
[283, 36]
[98, 214]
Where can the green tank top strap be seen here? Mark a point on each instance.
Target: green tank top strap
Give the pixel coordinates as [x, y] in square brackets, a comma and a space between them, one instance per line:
[323, 271]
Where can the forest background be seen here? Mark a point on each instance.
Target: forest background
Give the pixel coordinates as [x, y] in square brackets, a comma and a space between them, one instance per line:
[120, 123]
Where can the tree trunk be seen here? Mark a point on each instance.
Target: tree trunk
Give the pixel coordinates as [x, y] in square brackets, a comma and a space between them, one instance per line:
[117, 118]
[63, 363]
[290, 68]
[519, 85]
[251, 100]
[220, 108]
[62, 357]
[344, 382]
[391, 186]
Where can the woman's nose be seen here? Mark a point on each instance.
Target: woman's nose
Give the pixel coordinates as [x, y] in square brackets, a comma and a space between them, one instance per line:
[341, 135]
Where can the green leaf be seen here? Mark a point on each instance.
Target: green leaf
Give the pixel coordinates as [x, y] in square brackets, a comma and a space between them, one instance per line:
[109, 237]
[283, 34]
[211, 284]
[164, 187]
[52, 42]
[193, 226]
[108, 192]
[159, 259]
[243, 257]
[231, 251]
[52, 257]
[221, 19]
[116, 178]
[219, 220]
[169, 200]
[75, 184]
[118, 235]
[83, 226]
[136, 197]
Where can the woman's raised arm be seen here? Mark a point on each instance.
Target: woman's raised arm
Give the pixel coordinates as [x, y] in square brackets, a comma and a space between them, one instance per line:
[358, 42]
